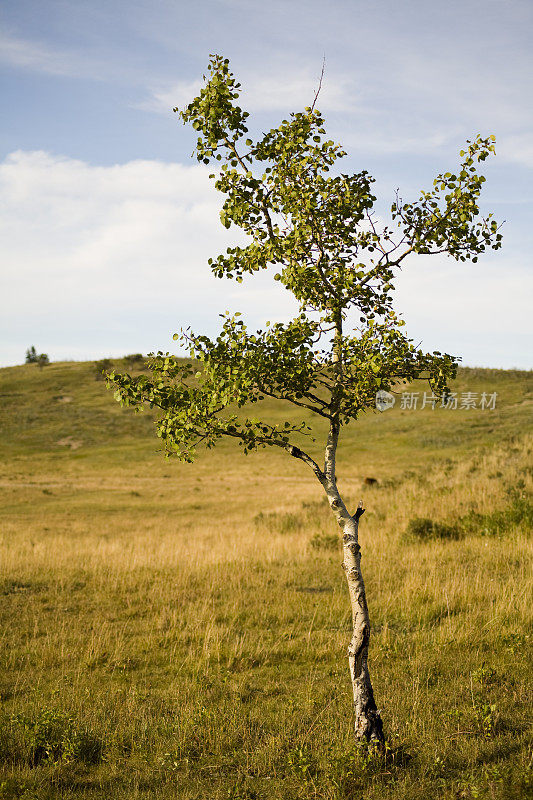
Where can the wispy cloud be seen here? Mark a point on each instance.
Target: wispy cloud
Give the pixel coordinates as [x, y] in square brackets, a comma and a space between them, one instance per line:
[297, 88]
[402, 116]
[163, 100]
[292, 90]
[50, 59]
[517, 148]
[27, 54]
[415, 103]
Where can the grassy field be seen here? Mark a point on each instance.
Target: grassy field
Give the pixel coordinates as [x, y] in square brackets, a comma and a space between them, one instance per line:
[180, 631]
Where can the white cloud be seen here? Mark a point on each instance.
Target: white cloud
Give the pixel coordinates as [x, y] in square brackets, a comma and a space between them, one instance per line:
[106, 260]
[121, 248]
[480, 312]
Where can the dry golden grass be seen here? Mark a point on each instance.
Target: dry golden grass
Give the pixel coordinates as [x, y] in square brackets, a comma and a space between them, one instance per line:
[203, 647]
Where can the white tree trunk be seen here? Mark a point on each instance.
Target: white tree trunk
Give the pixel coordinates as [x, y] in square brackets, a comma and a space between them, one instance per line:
[368, 724]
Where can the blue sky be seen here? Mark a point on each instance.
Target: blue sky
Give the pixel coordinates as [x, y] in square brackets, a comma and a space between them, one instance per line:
[106, 223]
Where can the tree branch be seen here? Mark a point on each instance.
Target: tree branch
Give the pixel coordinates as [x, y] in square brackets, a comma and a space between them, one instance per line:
[319, 84]
[295, 402]
[291, 449]
[264, 207]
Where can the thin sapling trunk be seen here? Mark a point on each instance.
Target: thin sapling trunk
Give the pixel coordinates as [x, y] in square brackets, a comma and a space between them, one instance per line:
[368, 723]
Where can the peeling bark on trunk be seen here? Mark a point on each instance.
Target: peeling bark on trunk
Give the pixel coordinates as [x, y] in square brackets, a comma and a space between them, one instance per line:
[368, 724]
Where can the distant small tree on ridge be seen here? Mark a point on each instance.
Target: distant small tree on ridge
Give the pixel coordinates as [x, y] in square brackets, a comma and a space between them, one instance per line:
[32, 357]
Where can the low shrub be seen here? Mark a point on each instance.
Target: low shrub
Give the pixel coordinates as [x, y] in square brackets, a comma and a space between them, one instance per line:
[134, 359]
[49, 736]
[425, 529]
[519, 512]
[102, 366]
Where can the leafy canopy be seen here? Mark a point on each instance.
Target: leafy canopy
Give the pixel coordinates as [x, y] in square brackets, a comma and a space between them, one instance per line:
[318, 231]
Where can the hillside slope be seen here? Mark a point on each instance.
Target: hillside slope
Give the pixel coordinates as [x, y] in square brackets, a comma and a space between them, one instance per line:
[41, 408]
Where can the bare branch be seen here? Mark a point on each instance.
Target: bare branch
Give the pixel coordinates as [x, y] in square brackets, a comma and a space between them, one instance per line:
[319, 84]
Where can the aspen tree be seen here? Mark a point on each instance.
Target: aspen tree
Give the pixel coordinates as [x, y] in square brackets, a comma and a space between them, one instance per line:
[319, 233]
